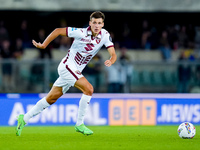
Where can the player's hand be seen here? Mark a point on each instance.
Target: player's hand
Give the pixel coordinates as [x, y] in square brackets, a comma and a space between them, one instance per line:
[38, 45]
[108, 63]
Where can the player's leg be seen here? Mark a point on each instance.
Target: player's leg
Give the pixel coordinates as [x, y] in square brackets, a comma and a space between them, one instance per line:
[87, 89]
[83, 85]
[45, 102]
[42, 104]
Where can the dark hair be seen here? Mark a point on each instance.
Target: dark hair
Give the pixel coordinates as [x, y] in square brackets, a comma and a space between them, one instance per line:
[97, 14]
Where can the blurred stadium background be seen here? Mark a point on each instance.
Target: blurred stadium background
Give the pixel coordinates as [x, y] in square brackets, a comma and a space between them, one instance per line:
[157, 43]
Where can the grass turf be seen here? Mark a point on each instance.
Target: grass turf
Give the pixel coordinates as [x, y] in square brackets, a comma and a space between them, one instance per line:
[105, 137]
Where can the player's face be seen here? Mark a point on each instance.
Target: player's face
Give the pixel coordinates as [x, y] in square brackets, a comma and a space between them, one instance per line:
[96, 25]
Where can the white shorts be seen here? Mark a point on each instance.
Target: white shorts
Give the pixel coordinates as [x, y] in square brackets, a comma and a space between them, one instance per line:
[67, 77]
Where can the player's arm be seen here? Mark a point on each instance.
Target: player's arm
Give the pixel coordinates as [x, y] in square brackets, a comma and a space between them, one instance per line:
[113, 57]
[51, 37]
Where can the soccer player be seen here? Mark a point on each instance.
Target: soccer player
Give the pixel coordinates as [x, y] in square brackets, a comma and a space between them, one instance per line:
[87, 42]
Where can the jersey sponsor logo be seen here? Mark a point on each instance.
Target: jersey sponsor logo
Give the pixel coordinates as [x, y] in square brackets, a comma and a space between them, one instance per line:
[89, 47]
[86, 40]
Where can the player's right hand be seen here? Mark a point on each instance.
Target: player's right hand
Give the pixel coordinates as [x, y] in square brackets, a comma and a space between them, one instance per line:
[38, 45]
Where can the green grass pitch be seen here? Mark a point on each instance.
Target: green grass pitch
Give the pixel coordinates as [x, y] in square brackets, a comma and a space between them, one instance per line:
[104, 137]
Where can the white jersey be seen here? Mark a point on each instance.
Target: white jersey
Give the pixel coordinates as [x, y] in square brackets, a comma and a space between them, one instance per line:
[85, 46]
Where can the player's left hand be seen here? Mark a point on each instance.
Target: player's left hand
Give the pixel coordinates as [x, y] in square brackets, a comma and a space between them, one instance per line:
[108, 63]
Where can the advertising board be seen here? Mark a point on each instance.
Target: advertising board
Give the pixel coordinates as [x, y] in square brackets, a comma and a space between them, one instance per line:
[105, 109]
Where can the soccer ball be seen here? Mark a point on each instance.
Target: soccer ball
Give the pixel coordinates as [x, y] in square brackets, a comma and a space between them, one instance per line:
[186, 130]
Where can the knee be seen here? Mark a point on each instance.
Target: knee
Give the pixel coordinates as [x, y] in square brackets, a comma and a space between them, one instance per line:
[89, 90]
[52, 98]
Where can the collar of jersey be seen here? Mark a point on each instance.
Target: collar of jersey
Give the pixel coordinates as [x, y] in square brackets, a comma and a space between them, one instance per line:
[89, 32]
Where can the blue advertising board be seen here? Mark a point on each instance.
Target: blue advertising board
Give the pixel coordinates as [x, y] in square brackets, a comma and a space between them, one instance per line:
[105, 109]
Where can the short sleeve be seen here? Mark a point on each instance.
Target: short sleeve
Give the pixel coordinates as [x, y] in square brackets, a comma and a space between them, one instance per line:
[108, 41]
[72, 32]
